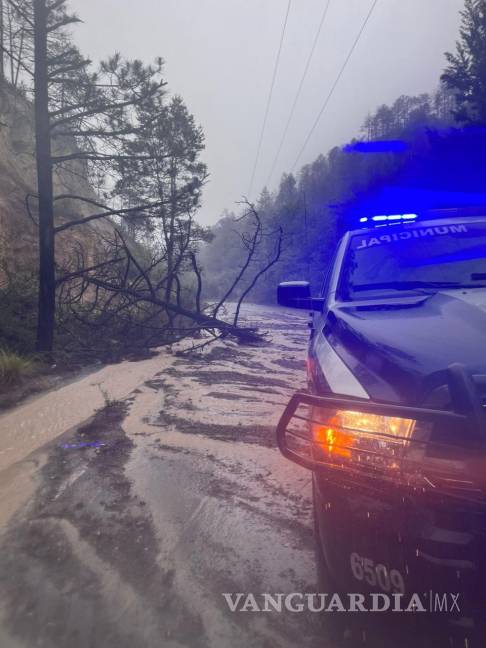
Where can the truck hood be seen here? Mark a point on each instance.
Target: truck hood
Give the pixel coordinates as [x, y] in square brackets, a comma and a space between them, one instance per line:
[399, 348]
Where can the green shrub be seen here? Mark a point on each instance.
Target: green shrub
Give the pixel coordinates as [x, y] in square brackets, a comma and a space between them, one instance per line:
[13, 367]
[18, 312]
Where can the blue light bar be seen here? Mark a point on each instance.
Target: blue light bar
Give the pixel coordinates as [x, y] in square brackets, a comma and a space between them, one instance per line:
[391, 217]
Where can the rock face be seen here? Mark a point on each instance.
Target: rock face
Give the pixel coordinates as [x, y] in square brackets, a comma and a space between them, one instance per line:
[18, 229]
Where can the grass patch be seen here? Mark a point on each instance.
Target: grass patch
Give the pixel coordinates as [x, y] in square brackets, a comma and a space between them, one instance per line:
[110, 403]
[13, 367]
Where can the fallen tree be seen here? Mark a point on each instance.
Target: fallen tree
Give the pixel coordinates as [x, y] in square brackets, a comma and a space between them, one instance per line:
[138, 284]
[124, 298]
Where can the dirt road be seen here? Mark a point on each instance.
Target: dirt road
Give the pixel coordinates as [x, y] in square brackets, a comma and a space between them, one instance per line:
[125, 527]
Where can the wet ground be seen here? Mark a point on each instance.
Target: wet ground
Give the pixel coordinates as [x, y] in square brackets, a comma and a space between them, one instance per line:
[138, 495]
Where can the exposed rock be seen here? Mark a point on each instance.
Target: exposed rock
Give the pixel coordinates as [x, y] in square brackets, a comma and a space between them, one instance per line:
[18, 230]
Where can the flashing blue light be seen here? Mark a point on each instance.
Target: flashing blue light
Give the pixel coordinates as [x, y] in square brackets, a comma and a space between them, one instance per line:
[391, 217]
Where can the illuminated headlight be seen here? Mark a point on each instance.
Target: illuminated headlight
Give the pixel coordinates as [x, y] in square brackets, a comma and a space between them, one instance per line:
[342, 432]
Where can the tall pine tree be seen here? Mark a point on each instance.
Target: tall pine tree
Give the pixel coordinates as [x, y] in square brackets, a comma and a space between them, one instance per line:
[466, 70]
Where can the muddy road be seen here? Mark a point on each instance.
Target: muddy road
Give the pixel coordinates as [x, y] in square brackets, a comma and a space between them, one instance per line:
[135, 496]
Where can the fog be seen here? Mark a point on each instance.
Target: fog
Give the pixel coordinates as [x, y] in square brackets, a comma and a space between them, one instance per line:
[220, 57]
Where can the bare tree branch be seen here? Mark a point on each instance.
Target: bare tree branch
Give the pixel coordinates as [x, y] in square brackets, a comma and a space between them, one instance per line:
[251, 246]
[257, 276]
[106, 214]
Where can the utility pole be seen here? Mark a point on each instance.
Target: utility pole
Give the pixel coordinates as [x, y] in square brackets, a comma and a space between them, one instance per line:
[47, 283]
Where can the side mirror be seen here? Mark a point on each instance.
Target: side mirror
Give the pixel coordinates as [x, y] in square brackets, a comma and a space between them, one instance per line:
[297, 294]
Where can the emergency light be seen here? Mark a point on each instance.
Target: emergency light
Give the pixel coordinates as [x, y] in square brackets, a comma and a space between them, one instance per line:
[390, 217]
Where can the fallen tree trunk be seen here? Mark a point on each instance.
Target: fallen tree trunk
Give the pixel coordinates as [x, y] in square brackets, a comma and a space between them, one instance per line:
[206, 322]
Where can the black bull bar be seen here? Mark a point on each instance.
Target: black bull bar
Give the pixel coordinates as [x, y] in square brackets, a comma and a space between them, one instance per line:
[440, 437]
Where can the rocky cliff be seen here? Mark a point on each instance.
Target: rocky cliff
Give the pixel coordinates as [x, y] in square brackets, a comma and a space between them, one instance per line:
[18, 229]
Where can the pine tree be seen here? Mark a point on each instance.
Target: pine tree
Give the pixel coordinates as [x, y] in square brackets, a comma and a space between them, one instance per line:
[95, 111]
[466, 70]
[172, 176]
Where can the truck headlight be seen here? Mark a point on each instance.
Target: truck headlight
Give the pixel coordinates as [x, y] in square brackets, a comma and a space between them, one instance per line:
[356, 435]
[342, 432]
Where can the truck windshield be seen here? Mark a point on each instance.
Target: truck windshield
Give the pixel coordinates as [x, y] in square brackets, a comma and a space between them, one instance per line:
[413, 258]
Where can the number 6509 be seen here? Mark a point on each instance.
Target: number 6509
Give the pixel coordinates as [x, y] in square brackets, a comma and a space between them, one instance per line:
[388, 580]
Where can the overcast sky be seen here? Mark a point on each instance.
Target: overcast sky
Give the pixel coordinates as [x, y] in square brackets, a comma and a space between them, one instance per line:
[220, 55]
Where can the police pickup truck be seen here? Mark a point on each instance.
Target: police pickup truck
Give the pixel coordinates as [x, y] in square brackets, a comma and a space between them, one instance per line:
[393, 422]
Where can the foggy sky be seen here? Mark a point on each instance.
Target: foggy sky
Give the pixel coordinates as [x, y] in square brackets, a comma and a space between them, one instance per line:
[220, 54]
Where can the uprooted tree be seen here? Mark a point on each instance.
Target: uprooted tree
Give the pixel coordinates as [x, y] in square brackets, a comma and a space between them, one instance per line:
[128, 290]
[141, 153]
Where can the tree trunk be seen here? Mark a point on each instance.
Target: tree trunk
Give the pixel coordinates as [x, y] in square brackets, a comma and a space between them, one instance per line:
[47, 284]
[170, 242]
[2, 41]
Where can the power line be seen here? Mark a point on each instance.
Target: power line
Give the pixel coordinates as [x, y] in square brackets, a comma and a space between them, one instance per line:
[334, 85]
[299, 90]
[269, 99]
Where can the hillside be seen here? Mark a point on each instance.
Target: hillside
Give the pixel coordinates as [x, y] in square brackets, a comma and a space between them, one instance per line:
[18, 230]
[314, 206]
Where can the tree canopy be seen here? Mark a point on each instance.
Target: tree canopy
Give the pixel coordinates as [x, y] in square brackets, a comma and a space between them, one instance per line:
[465, 73]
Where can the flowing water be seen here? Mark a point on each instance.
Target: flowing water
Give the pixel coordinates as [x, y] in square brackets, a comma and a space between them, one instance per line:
[124, 526]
